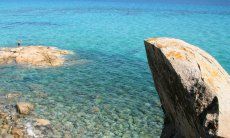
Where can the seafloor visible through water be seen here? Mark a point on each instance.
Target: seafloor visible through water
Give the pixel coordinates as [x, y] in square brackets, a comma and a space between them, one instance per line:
[110, 92]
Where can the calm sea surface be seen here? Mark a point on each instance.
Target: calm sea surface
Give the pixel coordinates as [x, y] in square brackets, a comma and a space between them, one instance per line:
[111, 93]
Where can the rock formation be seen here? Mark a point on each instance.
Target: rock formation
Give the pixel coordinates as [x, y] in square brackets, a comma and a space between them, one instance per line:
[33, 55]
[193, 88]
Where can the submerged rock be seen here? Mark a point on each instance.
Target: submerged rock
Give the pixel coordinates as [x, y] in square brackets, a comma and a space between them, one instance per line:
[17, 133]
[33, 55]
[95, 109]
[193, 87]
[24, 108]
[13, 95]
[18, 119]
[42, 122]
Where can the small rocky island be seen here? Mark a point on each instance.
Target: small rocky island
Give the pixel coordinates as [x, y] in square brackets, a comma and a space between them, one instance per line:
[193, 88]
[40, 56]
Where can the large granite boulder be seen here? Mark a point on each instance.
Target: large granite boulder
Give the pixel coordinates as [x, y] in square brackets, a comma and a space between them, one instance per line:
[193, 88]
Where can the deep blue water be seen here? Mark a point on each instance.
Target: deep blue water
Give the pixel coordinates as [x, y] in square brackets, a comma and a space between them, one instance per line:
[115, 78]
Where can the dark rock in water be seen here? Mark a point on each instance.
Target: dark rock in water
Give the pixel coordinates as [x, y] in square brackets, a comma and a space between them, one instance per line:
[193, 87]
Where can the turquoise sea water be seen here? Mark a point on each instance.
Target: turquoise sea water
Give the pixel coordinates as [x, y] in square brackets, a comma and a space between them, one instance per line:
[112, 93]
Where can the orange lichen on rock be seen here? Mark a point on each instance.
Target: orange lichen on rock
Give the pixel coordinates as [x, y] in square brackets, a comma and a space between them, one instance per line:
[176, 55]
[193, 88]
[214, 73]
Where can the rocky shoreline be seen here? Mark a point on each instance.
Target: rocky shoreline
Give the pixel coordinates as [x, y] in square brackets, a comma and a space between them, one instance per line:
[193, 89]
[17, 119]
[191, 84]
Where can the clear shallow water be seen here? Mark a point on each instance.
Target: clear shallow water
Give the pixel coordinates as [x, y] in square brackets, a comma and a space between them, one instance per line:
[112, 94]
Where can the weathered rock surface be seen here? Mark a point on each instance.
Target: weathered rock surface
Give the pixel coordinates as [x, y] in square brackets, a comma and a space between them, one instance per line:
[193, 87]
[25, 108]
[33, 55]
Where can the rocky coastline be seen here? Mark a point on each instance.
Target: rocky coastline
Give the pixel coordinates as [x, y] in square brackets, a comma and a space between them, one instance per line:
[18, 119]
[193, 89]
[192, 86]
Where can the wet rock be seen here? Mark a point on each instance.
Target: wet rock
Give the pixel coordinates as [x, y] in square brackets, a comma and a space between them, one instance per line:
[193, 89]
[17, 133]
[95, 109]
[2, 115]
[42, 122]
[3, 131]
[13, 121]
[33, 55]
[25, 108]
[5, 126]
[5, 135]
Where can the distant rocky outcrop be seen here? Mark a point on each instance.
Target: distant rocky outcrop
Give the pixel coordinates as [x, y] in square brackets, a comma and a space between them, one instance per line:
[193, 87]
[33, 55]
